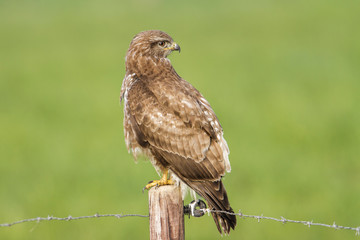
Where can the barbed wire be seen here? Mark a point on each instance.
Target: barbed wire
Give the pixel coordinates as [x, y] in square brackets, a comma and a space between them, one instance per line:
[69, 218]
[286, 220]
[240, 214]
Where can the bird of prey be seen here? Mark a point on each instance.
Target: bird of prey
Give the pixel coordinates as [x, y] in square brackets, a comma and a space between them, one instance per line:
[170, 122]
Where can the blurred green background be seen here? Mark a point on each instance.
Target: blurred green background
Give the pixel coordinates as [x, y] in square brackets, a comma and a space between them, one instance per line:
[283, 78]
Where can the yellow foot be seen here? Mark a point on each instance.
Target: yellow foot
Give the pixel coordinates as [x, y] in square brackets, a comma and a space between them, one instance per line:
[158, 183]
[163, 181]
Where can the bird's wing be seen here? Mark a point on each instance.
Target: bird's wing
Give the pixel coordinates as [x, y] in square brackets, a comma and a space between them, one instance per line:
[179, 124]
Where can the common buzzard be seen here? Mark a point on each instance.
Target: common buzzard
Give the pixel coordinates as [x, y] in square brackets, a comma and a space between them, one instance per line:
[169, 121]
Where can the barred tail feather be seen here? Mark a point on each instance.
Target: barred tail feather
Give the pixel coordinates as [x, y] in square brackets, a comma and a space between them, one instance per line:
[215, 195]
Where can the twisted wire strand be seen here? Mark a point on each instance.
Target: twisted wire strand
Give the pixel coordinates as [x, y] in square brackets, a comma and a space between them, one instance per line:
[239, 214]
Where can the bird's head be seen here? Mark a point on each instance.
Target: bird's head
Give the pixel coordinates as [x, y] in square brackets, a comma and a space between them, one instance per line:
[152, 43]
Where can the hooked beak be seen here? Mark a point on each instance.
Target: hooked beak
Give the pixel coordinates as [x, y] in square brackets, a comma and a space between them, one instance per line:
[174, 47]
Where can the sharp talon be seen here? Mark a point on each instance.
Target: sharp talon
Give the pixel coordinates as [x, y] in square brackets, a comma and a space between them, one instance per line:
[150, 182]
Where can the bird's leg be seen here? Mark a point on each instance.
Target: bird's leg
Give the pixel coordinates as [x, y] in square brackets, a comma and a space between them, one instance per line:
[163, 181]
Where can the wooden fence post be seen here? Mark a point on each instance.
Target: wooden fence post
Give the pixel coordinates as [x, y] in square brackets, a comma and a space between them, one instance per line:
[166, 210]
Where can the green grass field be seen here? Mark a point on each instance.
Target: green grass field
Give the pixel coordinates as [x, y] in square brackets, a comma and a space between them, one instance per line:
[283, 78]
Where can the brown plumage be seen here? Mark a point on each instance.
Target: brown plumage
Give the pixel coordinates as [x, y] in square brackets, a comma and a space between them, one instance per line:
[168, 120]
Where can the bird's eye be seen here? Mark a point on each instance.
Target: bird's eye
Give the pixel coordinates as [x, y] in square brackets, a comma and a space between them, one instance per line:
[162, 43]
